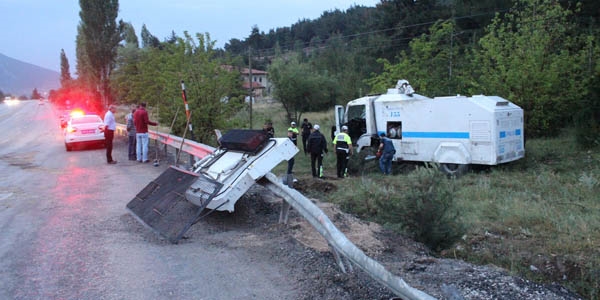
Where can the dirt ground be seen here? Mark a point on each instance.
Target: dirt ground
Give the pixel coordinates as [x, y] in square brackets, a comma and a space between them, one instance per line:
[312, 265]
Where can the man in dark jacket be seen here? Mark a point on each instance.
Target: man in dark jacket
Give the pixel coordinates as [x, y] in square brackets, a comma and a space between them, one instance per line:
[306, 128]
[386, 147]
[317, 146]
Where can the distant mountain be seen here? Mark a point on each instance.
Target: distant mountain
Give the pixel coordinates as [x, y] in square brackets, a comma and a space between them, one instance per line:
[20, 78]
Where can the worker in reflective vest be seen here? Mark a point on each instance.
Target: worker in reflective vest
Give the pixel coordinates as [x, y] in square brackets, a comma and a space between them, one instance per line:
[343, 149]
[295, 132]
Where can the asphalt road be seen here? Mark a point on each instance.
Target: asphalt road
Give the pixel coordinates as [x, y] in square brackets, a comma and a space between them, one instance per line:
[65, 232]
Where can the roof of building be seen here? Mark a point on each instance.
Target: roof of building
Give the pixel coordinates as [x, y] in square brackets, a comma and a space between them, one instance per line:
[244, 71]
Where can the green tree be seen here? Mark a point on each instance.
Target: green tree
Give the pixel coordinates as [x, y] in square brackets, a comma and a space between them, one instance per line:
[534, 56]
[85, 74]
[298, 87]
[125, 77]
[338, 60]
[587, 119]
[430, 65]
[129, 36]
[153, 75]
[35, 95]
[102, 35]
[149, 40]
[65, 73]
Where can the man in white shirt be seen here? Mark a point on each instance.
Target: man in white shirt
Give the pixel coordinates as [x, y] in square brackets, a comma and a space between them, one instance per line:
[109, 132]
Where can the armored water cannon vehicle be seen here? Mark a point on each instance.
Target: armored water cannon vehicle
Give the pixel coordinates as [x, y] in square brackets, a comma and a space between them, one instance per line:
[453, 131]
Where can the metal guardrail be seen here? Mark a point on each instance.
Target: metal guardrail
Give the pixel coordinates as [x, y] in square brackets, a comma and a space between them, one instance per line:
[340, 243]
[315, 216]
[191, 147]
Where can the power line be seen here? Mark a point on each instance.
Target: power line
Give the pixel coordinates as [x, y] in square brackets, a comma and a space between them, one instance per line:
[306, 45]
[291, 44]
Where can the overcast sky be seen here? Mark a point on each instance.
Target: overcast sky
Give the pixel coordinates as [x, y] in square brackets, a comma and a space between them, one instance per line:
[34, 31]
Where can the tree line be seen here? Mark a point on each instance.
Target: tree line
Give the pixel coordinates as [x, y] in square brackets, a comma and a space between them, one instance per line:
[540, 54]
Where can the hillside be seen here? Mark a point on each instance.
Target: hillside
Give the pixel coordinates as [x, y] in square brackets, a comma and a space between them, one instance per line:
[20, 78]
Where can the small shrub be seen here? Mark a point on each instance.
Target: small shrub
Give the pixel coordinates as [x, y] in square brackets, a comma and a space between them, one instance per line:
[425, 209]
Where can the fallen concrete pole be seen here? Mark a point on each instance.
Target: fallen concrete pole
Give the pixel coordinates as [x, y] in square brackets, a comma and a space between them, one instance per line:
[317, 218]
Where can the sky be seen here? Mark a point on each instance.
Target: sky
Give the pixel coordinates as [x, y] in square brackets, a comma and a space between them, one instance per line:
[35, 31]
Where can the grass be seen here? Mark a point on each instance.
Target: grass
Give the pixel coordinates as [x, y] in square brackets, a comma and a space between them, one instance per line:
[538, 217]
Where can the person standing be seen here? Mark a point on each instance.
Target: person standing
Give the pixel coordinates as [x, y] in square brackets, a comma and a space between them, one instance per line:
[268, 127]
[294, 138]
[131, 134]
[317, 146]
[387, 149]
[306, 128]
[343, 149]
[295, 132]
[110, 125]
[141, 121]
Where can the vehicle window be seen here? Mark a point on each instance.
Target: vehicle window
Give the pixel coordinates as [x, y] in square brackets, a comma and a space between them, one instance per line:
[86, 119]
[356, 112]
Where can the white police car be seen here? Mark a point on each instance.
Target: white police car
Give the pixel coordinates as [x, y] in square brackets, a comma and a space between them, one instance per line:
[83, 129]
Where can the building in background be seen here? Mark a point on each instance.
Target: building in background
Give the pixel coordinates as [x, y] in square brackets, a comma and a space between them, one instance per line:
[261, 87]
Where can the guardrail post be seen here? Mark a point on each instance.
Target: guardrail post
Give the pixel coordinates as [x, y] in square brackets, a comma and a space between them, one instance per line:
[285, 212]
[191, 163]
[338, 258]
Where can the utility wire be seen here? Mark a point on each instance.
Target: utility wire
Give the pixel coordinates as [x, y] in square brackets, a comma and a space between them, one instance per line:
[290, 45]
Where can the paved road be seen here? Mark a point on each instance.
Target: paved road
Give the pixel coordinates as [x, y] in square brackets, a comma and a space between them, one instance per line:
[65, 233]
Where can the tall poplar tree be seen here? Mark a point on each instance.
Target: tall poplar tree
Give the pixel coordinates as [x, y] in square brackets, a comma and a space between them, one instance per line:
[101, 37]
[65, 73]
[149, 40]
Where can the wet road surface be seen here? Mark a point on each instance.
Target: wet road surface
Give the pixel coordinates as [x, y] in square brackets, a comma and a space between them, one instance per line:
[65, 233]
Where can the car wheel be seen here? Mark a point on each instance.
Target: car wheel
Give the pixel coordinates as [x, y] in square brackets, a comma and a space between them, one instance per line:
[69, 147]
[454, 169]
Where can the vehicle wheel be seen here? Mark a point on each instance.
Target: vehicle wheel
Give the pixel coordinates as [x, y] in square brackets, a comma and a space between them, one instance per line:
[69, 147]
[454, 169]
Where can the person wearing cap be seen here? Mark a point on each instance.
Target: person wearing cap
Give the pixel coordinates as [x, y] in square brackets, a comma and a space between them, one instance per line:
[306, 128]
[295, 132]
[317, 146]
[110, 125]
[293, 137]
[387, 149]
[343, 149]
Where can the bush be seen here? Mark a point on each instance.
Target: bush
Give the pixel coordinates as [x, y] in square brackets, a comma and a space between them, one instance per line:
[425, 209]
[587, 118]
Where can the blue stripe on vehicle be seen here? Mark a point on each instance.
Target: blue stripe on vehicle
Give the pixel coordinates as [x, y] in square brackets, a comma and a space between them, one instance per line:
[435, 135]
[502, 134]
[518, 132]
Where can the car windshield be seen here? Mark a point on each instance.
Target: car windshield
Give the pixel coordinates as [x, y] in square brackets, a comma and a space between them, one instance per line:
[86, 119]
